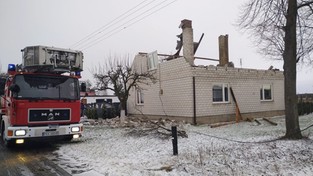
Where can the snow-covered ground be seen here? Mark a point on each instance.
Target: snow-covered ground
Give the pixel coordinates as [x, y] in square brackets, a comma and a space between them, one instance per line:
[236, 149]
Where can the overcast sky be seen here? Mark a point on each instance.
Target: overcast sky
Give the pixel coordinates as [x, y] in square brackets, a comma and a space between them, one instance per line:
[128, 27]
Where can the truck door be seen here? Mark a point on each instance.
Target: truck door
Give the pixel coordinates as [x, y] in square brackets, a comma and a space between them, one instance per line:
[2, 84]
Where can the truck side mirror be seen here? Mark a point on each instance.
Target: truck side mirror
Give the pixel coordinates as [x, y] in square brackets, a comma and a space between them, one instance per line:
[14, 88]
[2, 85]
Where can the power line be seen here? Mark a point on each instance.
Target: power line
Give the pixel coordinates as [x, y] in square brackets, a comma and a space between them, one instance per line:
[112, 22]
[121, 27]
[111, 33]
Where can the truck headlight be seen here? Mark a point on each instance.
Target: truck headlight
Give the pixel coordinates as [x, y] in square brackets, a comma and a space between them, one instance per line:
[20, 132]
[75, 129]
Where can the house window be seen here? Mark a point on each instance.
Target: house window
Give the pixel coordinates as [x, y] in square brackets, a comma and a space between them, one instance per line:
[220, 93]
[139, 97]
[266, 92]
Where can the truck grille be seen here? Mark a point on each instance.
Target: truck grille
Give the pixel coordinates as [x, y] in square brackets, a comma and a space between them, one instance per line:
[42, 115]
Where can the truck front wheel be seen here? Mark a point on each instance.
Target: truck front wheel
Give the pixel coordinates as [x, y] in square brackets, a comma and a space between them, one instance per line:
[4, 141]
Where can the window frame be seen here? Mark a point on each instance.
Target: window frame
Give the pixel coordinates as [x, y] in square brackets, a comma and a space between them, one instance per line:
[139, 97]
[225, 94]
[152, 60]
[263, 94]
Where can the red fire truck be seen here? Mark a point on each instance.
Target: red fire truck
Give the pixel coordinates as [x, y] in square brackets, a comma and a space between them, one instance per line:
[41, 97]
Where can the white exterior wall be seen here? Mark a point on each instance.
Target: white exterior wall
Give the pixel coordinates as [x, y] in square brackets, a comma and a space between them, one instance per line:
[175, 80]
[246, 85]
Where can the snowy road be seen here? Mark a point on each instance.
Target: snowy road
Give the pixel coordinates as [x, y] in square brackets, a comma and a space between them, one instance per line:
[29, 160]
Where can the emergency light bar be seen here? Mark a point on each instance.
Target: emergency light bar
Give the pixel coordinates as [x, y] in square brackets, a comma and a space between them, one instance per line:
[11, 69]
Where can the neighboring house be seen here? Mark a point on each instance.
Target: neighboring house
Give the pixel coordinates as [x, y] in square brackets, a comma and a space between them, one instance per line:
[96, 98]
[99, 102]
[202, 94]
[93, 96]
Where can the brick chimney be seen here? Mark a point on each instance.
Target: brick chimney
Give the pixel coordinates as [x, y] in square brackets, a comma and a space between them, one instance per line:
[188, 47]
[223, 50]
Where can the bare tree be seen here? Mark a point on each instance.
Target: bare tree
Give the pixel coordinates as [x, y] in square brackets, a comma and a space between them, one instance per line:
[283, 29]
[118, 75]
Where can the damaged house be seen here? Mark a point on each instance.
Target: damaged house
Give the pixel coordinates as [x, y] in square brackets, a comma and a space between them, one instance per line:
[204, 94]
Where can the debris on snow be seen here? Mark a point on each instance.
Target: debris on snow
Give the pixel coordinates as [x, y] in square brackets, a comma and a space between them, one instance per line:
[269, 121]
[142, 126]
[235, 149]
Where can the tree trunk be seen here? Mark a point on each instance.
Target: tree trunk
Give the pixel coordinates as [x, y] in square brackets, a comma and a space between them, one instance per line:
[290, 73]
[123, 107]
[122, 115]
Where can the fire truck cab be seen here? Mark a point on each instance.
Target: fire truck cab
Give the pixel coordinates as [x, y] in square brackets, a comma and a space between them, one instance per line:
[41, 97]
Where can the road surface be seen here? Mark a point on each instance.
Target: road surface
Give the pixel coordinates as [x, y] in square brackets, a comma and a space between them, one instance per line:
[29, 160]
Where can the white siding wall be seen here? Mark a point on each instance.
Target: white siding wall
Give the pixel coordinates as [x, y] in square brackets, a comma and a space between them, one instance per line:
[175, 80]
[246, 84]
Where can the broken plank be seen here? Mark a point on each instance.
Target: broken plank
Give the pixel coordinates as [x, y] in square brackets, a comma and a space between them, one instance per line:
[221, 124]
[238, 114]
[269, 121]
[258, 122]
[249, 119]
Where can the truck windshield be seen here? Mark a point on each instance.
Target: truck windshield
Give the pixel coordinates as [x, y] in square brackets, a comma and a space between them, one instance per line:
[46, 87]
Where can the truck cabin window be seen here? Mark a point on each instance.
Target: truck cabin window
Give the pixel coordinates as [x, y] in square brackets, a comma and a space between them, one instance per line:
[46, 87]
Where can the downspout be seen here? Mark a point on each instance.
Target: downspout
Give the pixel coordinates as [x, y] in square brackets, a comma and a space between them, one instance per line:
[194, 101]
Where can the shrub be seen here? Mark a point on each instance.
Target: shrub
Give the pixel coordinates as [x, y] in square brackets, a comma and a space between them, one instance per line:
[305, 108]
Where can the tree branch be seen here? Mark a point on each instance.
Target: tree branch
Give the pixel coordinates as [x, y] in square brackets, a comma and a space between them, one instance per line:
[308, 4]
